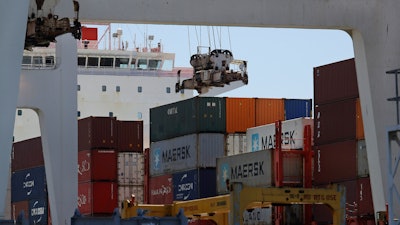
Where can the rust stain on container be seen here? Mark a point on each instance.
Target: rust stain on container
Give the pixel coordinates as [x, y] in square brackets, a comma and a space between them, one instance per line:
[240, 114]
[269, 110]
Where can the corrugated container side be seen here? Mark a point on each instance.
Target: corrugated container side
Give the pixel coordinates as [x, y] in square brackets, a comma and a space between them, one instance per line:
[263, 137]
[130, 136]
[97, 198]
[292, 169]
[240, 114]
[125, 192]
[362, 159]
[28, 184]
[185, 153]
[130, 168]
[195, 115]
[18, 207]
[161, 189]
[236, 144]
[335, 122]
[146, 177]
[295, 108]
[253, 169]
[97, 165]
[335, 82]
[365, 203]
[210, 146]
[97, 132]
[38, 211]
[359, 121]
[27, 154]
[269, 110]
[335, 162]
[211, 115]
[194, 184]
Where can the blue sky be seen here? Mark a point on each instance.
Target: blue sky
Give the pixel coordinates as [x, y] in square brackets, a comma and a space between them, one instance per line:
[280, 61]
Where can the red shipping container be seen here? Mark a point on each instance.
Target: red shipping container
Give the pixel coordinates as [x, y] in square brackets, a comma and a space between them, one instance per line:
[18, 207]
[364, 192]
[161, 189]
[335, 122]
[240, 114]
[146, 175]
[97, 132]
[97, 165]
[97, 198]
[335, 162]
[27, 154]
[335, 82]
[130, 136]
[89, 33]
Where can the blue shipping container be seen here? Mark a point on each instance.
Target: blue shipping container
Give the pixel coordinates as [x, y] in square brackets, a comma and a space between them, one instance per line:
[38, 211]
[296, 108]
[194, 184]
[28, 184]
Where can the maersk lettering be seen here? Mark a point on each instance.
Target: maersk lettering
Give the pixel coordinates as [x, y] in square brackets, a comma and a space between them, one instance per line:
[268, 142]
[247, 170]
[176, 154]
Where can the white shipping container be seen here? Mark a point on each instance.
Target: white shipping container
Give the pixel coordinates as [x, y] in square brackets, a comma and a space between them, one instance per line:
[130, 168]
[263, 137]
[126, 191]
[236, 144]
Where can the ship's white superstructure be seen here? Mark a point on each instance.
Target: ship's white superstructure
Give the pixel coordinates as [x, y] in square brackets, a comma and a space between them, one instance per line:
[118, 83]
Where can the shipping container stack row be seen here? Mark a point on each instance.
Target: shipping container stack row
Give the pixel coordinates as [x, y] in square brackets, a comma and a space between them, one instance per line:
[188, 136]
[110, 164]
[28, 182]
[340, 155]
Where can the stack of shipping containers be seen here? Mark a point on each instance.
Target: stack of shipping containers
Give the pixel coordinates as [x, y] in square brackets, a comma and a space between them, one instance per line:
[339, 147]
[28, 182]
[189, 137]
[110, 163]
[186, 138]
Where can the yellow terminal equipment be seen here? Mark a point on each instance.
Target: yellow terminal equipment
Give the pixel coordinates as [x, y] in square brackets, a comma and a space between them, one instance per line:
[221, 210]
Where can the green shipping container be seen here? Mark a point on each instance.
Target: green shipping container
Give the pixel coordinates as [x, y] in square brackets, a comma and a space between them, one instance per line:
[195, 115]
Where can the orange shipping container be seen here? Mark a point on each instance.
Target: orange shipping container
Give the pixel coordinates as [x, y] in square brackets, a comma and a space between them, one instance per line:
[269, 110]
[240, 114]
[359, 122]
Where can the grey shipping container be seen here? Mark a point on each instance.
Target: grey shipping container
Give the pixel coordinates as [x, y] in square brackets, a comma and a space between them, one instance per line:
[185, 153]
[253, 169]
[362, 159]
[195, 115]
[28, 184]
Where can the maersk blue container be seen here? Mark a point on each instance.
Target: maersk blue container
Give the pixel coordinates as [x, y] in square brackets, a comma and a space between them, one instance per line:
[295, 108]
[194, 184]
[38, 211]
[28, 184]
[194, 115]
